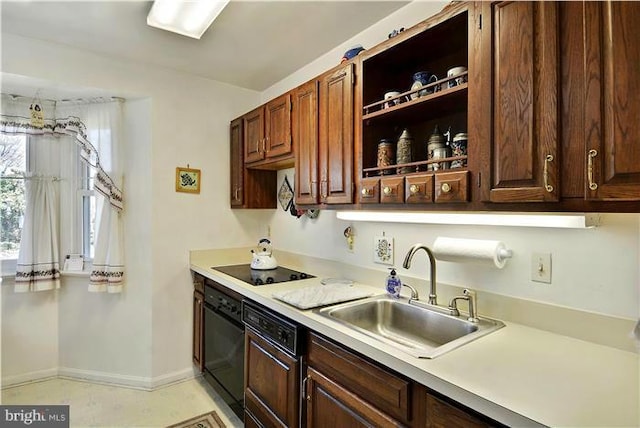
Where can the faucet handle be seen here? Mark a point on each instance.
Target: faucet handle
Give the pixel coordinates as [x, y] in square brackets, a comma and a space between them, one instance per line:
[414, 292]
[473, 302]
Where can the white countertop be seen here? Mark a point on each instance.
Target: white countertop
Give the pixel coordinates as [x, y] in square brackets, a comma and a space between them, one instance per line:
[518, 375]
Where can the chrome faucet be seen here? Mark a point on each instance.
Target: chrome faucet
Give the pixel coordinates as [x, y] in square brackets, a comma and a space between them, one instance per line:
[432, 262]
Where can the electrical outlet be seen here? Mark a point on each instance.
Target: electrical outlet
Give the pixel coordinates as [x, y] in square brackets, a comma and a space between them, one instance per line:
[383, 250]
[541, 267]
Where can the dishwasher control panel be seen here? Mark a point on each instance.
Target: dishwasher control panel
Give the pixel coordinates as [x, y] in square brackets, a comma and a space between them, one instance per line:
[272, 326]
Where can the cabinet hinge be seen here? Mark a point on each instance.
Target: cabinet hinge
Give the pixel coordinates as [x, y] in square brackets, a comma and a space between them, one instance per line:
[480, 22]
[479, 179]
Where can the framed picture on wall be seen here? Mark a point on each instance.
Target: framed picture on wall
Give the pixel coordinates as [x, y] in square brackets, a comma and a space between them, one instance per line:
[187, 180]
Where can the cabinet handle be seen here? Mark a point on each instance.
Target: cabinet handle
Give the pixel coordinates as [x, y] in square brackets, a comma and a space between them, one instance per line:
[266, 140]
[311, 189]
[592, 154]
[387, 190]
[236, 193]
[304, 387]
[414, 188]
[323, 189]
[365, 191]
[545, 174]
[446, 187]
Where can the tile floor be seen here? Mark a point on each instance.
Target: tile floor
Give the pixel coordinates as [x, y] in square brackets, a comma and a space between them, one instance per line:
[97, 405]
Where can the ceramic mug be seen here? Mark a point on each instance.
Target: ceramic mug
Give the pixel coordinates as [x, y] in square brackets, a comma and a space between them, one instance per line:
[388, 96]
[423, 78]
[452, 72]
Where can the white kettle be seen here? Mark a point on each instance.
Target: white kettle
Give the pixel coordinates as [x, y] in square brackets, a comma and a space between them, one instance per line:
[263, 258]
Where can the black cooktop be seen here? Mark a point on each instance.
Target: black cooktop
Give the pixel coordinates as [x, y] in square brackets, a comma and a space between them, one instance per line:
[262, 277]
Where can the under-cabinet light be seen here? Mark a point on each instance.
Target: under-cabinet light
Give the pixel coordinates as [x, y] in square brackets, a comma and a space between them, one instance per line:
[189, 18]
[572, 221]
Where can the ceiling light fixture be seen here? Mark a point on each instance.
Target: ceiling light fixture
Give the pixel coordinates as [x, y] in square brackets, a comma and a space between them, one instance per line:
[189, 18]
[572, 221]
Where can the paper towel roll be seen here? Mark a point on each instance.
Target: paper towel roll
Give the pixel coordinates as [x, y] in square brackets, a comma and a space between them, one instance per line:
[471, 250]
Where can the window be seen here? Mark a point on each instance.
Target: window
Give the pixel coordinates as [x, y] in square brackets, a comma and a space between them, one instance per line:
[87, 206]
[15, 159]
[13, 165]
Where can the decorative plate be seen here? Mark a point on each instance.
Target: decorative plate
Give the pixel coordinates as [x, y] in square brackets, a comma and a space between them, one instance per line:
[285, 194]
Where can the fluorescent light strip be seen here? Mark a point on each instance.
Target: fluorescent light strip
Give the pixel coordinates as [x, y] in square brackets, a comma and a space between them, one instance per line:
[572, 221]
[189, 18]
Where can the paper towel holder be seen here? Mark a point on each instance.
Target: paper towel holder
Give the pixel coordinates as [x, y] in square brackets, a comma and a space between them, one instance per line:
[504, 253]
[472, 250]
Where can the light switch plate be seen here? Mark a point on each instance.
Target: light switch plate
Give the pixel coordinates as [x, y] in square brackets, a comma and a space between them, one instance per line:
[541, 267]
[383, 250]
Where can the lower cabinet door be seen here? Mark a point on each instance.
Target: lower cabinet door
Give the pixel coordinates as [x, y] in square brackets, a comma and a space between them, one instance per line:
[331, 405]
[444, 415]
[272, 379]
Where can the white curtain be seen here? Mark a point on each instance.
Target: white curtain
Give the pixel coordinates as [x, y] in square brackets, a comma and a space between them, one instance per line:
[38, 266]
[104, 124]
[94, 125]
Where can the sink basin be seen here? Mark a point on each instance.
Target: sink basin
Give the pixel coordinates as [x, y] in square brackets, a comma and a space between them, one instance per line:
[417, 330]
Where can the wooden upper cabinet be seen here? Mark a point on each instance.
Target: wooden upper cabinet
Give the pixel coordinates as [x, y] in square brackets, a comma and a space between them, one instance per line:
[267, 135]
[249, 188]
[277, 116]
[254, 139]
[612, 88]
[336, 117]
[520, 60]
[236, 163]
[304, 127]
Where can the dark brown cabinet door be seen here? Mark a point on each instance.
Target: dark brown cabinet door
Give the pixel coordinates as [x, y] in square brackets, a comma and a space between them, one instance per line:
[249, 188]
[236, 164]
[336, 136]
[254, 141]
[444, 415]
[272, 393]
[612, 119]
[520, 47]
[277, 114]
[331, 405]
[198, 338]
[305, 137]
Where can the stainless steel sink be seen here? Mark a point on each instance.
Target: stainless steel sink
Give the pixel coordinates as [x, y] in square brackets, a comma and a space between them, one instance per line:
[417, 330]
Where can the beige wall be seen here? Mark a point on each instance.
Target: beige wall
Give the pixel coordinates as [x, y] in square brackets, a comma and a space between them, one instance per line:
[142, 336]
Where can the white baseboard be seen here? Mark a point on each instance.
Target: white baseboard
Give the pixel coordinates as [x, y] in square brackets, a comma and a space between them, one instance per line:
[128, 381]
[35, 376]
[175, 377]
